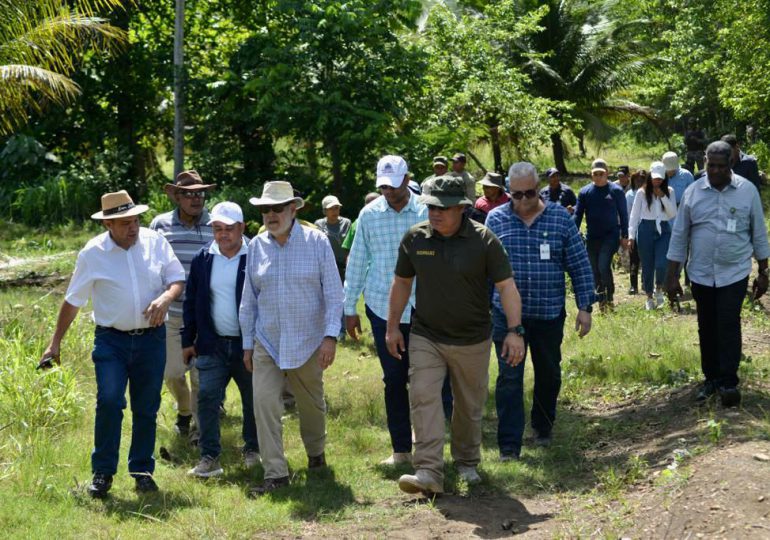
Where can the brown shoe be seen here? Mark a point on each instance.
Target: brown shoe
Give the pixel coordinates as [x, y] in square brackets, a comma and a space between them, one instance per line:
[316, 462]
[269, 485]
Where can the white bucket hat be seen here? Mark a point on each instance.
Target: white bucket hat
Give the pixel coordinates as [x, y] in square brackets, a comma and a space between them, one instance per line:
[278, 192]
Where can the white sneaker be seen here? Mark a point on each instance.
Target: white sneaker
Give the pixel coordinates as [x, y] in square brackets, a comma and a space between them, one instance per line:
[419, 482]
[397, 458]
[469, 474]
[659, 299]
[251, 458]
[649, 304]
[206, 468]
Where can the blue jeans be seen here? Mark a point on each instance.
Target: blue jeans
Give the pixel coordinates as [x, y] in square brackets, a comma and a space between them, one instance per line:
[138, 362]
[600, 253]
[543, 340]
[396, 377]
[214, 374]
[653, 247]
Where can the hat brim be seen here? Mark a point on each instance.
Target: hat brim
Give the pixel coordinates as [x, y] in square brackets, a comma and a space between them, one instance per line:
[265, 201]
[135, 211]
[445, 202]
[335, 205]
[489, 183]
[659, 176]
[599, 169]
[392, 181]
[223, 219]
[170, 188]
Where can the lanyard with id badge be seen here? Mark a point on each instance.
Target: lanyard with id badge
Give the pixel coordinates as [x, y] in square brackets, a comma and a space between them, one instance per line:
[545, 249]
[731, 222]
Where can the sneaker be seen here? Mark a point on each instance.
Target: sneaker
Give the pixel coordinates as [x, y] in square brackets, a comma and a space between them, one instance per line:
[507, 457]
[397, 458]
[100, 485]
[251, 458]
[145, 483]
[649, 304]
[316, 462]
[419, 482]
[269, 485]
[632, 291]
[469, 474]
[659, 299]
[206, 468]
[705, 392]
[182, 425]
[730, 395]
[542, 439]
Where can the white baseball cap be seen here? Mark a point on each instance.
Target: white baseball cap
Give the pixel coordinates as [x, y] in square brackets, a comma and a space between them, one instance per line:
[671, 161]
[391, 171]
[226, 212]
[330, 201]
[657, 170]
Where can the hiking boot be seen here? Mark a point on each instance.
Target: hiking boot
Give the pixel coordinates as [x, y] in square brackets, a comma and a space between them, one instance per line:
[730, 395]
[542, 439]
[100, 485]
[268, 486]
[705, 392]
[397, 458]
[469, 474]
[419, 482]
[316, 462]
[145, 483]
[206, 468]
[251, 458]
[182, 425]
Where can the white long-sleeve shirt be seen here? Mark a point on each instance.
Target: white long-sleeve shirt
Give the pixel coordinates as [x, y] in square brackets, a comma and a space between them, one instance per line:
[661, 209]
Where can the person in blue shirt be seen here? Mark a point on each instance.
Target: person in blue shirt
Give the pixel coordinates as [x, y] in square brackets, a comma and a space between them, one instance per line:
[604, 205]
[679, 179]
[542, 243]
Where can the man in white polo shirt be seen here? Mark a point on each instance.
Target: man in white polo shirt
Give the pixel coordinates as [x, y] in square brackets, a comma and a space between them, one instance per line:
[131, 275]
[212, 335]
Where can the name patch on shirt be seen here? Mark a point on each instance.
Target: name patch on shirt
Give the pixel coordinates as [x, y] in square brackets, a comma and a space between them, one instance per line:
[428, 252]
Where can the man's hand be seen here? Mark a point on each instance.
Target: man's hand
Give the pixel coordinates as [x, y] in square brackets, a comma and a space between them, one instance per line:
[353, 326]
[672, 287]
[513, 349]
[759, 287]
[570, 209]
[247, 354]
[156, 311]
[583, 323]
[630, 244]
[326, 352]
[188, 353]
[624, 242]
[50, 357]
[394, 340]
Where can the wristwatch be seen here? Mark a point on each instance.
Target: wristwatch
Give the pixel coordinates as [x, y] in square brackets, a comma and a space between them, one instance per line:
[518, 330]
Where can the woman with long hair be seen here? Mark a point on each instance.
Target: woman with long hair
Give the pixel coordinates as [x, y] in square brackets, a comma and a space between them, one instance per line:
[638, 180]
[649, 229]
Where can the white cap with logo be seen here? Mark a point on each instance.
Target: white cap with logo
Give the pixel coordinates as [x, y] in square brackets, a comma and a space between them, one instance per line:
[657, 170]
[391, 171]
[226, 212]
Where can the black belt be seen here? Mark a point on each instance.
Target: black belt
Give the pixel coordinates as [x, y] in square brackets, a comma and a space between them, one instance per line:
[229, 338]
[136, 332]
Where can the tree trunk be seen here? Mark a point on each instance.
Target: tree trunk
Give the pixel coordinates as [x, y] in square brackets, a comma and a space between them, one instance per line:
[337, 176]
[582, 143]
[494, 136]
[179, 76]
[558, 153]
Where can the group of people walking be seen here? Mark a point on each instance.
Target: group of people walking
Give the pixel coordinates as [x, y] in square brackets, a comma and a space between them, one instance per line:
[269, 311]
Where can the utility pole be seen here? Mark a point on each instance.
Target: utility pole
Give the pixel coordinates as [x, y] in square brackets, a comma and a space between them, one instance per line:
[179, 84]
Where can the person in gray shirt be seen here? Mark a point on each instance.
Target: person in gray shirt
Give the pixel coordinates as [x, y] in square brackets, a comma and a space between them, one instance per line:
[720, 220]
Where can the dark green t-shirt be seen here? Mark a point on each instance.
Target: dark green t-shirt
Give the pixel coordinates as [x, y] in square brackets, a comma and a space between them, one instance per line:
[453, 274]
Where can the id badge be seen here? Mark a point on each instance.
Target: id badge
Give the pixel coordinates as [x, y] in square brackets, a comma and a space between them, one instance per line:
[545, 252]
[731, 225]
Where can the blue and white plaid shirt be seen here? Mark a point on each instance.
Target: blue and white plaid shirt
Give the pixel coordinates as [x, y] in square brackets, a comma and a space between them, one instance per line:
[373, 256]
[292, 295]
[541, 281]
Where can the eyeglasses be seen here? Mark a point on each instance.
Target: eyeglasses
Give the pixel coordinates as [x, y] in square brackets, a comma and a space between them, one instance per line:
[192, 194]
[518, 195]
[276, 208]
[434, 207]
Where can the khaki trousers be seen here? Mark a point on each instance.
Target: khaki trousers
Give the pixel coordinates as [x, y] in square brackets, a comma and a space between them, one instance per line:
[468, 367]
[186, 397]
[307, 384]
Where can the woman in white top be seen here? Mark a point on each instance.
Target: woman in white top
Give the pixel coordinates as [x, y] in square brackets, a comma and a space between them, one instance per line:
[648, 227]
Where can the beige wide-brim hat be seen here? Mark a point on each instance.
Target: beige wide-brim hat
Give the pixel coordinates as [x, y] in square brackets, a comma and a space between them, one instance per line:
[188, 181]
[119, 205]
[278, 192]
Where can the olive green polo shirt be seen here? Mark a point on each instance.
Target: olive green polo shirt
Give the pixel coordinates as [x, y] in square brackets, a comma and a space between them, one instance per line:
[453, 275]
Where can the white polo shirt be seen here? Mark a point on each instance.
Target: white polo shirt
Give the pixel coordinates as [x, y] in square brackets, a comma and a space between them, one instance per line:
[224, 276]
[121, 283]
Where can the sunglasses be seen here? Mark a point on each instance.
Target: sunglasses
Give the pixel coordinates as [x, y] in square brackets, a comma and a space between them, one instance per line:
[434, 207]
[276, 208]
[192, 194]
[518, 195]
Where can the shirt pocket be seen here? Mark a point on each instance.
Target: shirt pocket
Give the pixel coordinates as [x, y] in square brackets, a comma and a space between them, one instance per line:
[742, 217]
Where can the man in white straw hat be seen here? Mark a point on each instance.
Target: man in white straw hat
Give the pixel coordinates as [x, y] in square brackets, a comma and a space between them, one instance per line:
[292, 283]
[132, 276]
[187, 229]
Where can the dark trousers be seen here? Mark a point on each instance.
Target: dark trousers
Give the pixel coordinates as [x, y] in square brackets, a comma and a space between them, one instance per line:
[634, 266]
[138, 362]
[600, 253]
[542, 338]
[396, 378]
[214, 373]
[719, 330]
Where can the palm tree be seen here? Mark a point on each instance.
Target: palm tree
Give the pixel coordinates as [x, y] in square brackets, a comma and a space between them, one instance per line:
[40, 44]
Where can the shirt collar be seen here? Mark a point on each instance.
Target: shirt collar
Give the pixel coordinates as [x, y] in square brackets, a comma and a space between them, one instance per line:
[214, 249]
[294, 228]
[202, 219]
[413, 205]
[707, 185]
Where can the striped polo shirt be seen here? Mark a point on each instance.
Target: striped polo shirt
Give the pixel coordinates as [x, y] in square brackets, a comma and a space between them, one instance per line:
[185, 241]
